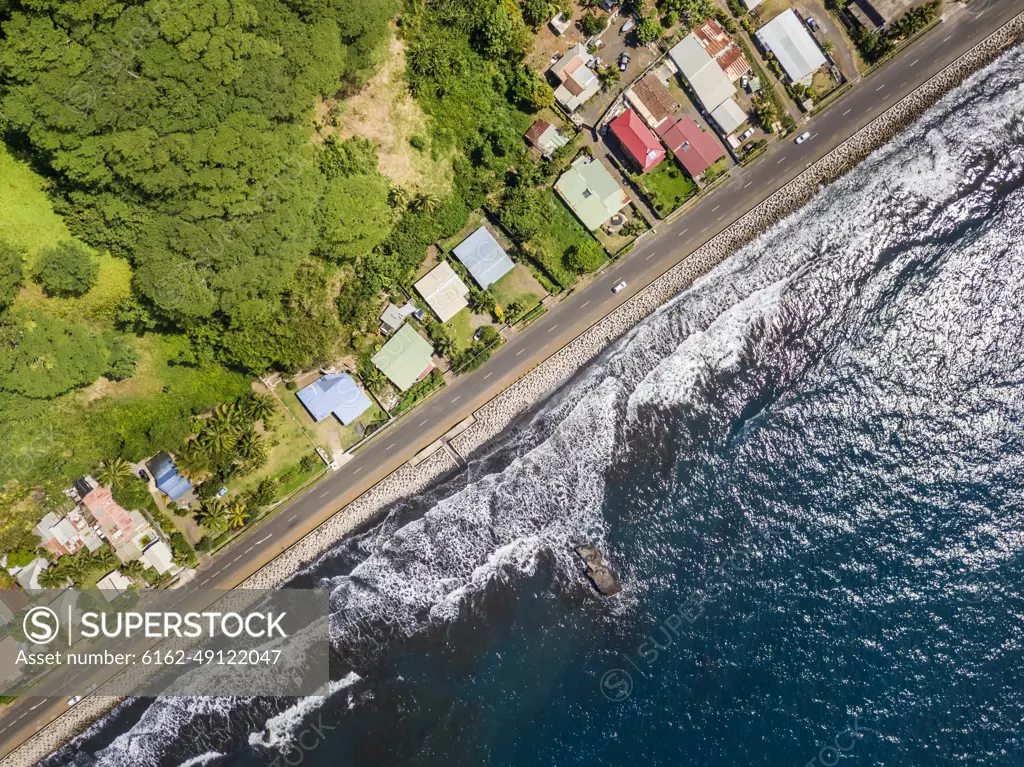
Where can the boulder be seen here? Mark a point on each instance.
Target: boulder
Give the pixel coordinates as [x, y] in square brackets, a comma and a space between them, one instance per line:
[599, 574]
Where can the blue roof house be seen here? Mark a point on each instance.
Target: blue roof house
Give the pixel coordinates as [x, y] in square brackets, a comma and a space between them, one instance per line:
[172, 484]
[336, 393]
[485, 259]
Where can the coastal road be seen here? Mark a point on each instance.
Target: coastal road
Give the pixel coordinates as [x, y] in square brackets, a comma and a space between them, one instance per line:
[568, 318]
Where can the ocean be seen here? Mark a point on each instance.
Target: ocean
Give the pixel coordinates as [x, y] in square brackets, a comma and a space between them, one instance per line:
[808, 472]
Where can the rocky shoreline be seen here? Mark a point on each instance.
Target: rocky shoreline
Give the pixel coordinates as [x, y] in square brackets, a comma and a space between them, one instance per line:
[496, 415]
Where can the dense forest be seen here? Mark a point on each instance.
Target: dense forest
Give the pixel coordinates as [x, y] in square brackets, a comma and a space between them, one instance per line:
[180, 139]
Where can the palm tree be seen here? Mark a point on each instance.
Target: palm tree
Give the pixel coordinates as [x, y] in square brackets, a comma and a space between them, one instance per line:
[226, 418]
[133, 569]
[76, 568]
[260, 407]
[250, 446]
[828, 47]
[217, 441]
[192, 462]
[608, 76]
[115, 473]
[374, 379]
[213, 515]
[481, 302]
[425, 202]
[52, 578]
[442, 338]
[104, 559]
[237, 516]
[398, 197]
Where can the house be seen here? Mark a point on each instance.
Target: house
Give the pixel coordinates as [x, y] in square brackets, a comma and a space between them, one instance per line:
[729, 116]
[67, 535]
[695, 149]
[591, 192]
[11, 602]
[578, 80]
[393, 317]
[723, 49]
[651, 99]
[792, 45]
[113, 584]
[405, 358]
[751, 4]
[485, 259]
[637, 141]
[337, 393]
[545, 137]
[168, 481]
[28, 576]
[709, 82]
[127, 532]
[159, 556]
[443, 291]
[878, 13]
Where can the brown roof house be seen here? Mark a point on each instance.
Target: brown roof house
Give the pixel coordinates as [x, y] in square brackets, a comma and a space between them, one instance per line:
[545, 137]
[652, 100]
[723, 49]
[578, 81]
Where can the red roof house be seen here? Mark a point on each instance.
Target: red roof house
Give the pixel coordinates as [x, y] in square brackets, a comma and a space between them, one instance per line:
[695, 149]
[637, 140]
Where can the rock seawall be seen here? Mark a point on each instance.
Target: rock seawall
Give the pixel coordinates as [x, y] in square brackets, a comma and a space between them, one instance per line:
[496, 415]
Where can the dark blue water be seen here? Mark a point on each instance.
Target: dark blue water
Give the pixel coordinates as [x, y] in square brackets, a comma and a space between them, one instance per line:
[807, 470]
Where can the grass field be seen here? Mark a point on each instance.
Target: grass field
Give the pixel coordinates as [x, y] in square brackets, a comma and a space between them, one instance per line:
[667, 186]
[518, 285]
[561, 231]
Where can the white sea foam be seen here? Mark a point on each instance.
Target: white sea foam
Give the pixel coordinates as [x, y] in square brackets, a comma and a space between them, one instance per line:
[280, 730]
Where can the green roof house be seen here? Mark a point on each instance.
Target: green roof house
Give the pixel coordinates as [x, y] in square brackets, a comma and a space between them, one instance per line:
[589, 189]
[405, 358]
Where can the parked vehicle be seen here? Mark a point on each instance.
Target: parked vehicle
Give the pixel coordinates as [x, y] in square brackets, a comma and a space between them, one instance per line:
[812, 24]
[623, 61]
[143, 475]
[628, 26]
[746, 134]
[619, 287]
[803, 137]
[744, 82]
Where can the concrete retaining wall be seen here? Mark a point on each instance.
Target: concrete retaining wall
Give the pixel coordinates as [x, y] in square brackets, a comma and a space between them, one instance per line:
[496, 415]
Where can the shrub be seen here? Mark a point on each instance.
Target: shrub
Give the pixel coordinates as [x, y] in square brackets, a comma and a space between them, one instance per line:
[592, 25]
[309, 463]
[418, 142]
[66, 269]
[291, 385]
[11, 274]
[122, 361]
[20, 557]
[585, 257]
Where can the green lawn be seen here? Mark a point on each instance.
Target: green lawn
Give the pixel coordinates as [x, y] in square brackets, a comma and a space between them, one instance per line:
[561, 231]
[518, 285]
[667, 186]
[465, 324]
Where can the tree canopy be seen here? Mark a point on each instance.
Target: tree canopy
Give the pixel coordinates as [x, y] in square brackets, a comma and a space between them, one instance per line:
[12, 274]
[67, 269]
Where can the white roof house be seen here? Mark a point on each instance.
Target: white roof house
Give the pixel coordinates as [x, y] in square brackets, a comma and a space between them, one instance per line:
[485, 259]
[702, 72]
[442, 289]
[113, 584]
[729, 116]
[751, 4]
[579, 82]
[159, 556]
[793, 46]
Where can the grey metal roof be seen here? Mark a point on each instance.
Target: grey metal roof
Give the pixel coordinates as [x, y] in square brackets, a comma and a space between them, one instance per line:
[485, 259]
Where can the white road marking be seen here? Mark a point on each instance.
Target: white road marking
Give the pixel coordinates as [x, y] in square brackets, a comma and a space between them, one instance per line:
[423, 422]
[37, 705]
[456, 399]
[237, 558]
[261, 540]
[903, 83]
[782, 160]
[682, 233]
[325, 492]
[947, 38]
[715, 208]
[584, 304]
[747, 184]
[879, 87]
[720, 217]
[552, 328]
[390, 446]
[649, 257]
[847, 111]
[914, 63]
[358, 470]
[248, 550]
[488, 376]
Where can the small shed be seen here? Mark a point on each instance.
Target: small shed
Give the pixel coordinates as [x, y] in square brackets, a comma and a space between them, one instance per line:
[485, 259]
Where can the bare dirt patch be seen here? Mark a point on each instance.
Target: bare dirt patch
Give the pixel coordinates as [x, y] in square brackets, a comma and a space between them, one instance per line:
[385, 111]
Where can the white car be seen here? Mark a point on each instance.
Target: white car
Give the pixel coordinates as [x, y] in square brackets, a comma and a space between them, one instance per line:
[747, 134]
[803, 137]
[74, 700]
[619, 287]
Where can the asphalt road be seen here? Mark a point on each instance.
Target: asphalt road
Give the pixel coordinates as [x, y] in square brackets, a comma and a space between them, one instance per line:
[567, 319]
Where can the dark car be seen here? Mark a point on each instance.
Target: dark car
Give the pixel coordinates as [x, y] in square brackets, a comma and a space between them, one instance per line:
[143, 474]
[623, 61]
